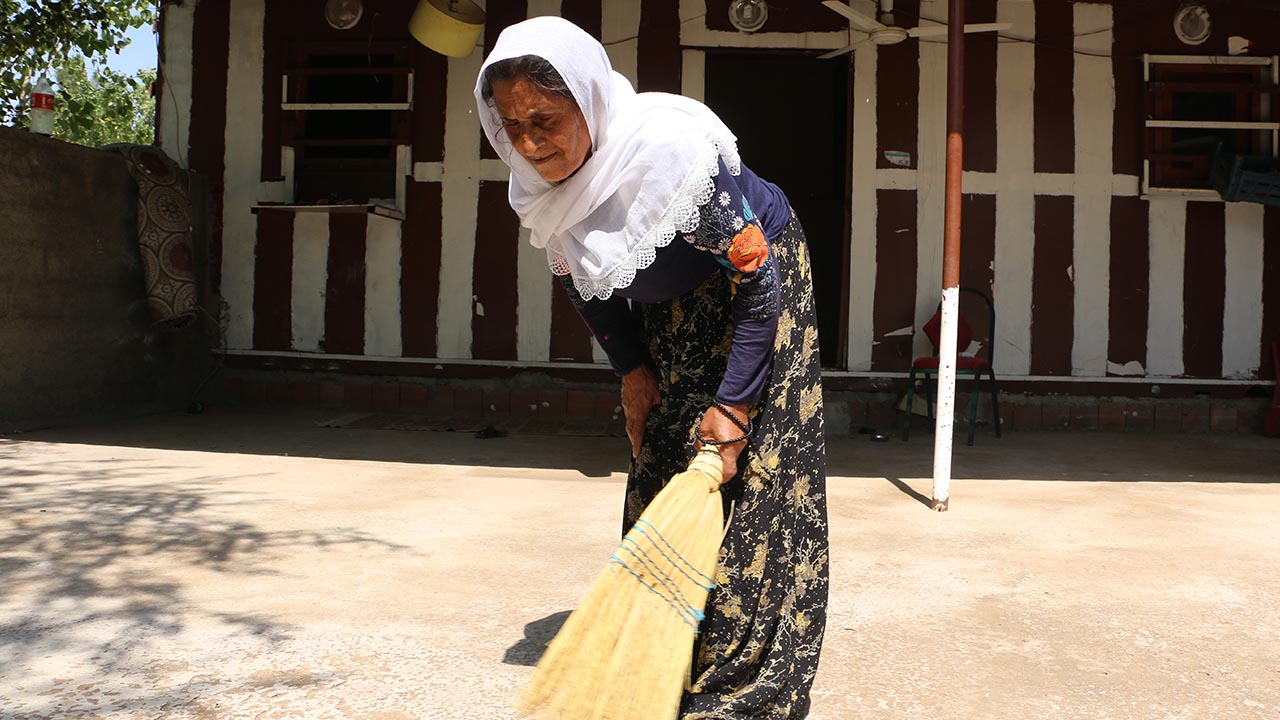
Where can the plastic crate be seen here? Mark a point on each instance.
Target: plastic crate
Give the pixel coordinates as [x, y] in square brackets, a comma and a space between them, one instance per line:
[1246, 178]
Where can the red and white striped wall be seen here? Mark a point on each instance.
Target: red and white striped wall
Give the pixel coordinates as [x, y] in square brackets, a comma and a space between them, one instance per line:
[1092, 281]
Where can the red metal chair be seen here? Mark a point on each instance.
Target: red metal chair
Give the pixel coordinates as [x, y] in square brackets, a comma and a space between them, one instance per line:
[973, 367]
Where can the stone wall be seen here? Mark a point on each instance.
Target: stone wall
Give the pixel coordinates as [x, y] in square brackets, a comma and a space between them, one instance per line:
[75, 335]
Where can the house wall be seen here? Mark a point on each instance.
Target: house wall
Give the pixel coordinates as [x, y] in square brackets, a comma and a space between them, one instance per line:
[75, 330]
[1093, 283]
[1090, 279]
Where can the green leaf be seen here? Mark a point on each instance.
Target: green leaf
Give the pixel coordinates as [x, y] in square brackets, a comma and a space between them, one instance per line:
[74, 37]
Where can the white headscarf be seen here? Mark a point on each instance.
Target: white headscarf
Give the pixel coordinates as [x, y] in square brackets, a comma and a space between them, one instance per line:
[653, 160]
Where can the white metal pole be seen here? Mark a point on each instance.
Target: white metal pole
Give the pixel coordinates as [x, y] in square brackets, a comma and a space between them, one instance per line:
[950, 260]
[945, 421]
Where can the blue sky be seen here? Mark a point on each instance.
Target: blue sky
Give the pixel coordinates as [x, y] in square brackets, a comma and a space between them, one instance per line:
[141, 53]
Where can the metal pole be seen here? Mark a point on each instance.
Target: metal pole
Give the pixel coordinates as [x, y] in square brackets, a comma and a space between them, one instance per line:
[950, 259]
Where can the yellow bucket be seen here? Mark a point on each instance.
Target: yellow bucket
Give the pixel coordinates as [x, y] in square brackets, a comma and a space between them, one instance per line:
[450, 27]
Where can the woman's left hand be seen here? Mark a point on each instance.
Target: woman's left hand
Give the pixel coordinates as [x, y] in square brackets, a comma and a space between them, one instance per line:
[715, 426]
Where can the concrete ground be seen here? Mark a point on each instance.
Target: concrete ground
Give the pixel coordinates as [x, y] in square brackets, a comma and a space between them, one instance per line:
[250, 564]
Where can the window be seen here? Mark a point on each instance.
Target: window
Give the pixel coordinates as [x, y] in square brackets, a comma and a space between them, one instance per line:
[1198, 104]
[346, 111]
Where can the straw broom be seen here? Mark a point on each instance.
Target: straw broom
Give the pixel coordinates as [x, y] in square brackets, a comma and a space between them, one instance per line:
[625, 653]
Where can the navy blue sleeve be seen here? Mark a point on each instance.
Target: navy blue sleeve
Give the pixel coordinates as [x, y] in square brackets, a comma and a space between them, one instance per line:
[730, 230]
[614, 326]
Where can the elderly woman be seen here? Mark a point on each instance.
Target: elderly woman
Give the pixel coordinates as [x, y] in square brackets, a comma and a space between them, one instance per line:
[693, 275]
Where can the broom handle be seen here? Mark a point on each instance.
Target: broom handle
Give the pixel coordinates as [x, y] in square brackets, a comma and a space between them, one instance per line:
[709, 463]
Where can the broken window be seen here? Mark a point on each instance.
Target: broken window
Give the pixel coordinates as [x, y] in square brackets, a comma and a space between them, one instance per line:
[347, 109]
[1199, 105]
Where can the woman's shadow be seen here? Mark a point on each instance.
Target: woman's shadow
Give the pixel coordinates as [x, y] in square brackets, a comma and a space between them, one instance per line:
[537, 634]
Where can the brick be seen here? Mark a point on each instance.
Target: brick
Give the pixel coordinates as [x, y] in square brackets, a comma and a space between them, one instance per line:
[1084, 416]
[231, 388]
[497, 402]
[331, 394]
[358, 396]
[1195, 417]
[1168, 416]
[468, 401]
[278, 392]
[253, 392]
[836, 417]
[580, 404]
[415, 397]
[1251, 418]
[441, 400]
[1139, 417]
[882, 414]
[1223, 418]
[304, 393]
[1245, 417]
[386, 396]
[551, 403]
[524, 402]
[1026, 416]
[1055, 416]
[1111, 415]
[857, 412]
[919, 423]
[608, 406]
[964, 403]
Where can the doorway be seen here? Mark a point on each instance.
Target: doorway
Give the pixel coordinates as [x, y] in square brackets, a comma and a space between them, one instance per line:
[791, 115]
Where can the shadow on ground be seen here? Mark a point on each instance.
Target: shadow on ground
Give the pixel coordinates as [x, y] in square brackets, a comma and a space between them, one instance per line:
[537, 635]
[1053, 456]
[77, 549]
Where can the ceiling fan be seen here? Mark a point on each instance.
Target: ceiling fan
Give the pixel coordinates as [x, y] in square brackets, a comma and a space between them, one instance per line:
[886, 33]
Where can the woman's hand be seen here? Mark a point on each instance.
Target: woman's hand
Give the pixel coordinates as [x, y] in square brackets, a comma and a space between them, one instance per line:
[639, 395]
[715, 426]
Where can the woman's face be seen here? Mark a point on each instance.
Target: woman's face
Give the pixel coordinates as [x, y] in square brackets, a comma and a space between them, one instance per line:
[548, 130]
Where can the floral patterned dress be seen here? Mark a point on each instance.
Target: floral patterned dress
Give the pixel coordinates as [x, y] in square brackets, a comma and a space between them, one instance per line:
[747, 331]
[758, 647]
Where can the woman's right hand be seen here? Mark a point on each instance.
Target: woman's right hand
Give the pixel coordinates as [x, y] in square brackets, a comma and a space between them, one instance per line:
[639, 395]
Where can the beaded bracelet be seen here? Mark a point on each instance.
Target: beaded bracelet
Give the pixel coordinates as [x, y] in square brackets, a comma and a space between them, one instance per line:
[745, 428]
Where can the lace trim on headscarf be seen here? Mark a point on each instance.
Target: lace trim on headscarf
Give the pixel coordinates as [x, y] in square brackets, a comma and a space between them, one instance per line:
[680, 217]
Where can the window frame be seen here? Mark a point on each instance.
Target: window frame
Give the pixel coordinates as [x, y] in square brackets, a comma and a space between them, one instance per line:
[295, 111]
[1258, 97]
